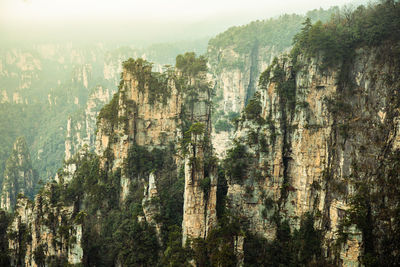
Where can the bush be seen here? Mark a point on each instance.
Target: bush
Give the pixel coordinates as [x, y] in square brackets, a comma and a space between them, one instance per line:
[236, 163]
[223, 126]
[337, 40]
[141, 162]
[190, 65]
[253, 109]
[110, 111]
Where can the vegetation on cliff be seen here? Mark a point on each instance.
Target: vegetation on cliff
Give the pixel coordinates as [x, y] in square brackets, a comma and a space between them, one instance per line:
[138, 231]
[19, 176]
[335, 45]
[337, 39]
[276, 32]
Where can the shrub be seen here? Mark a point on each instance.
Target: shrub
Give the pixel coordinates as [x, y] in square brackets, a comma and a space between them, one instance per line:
[253, 109]
[223, 126]
[190, 65]
[237, 163]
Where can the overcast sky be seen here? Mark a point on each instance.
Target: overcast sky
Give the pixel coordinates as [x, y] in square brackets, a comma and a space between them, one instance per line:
[29, 16]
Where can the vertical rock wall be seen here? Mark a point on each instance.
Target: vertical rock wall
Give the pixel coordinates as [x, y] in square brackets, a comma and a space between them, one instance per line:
[19, 177]
[310, 143]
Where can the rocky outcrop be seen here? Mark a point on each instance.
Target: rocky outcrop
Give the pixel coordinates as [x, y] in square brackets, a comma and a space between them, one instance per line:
[42, 233]
[155, 118]
[238, 56]
[19, 177]
[81, 128]
[200, 196]
[151, 206]
[236, 77]
[308, 135]
[139, 119]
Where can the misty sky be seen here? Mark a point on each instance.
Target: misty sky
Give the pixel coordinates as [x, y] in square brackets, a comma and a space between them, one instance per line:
[21, 19]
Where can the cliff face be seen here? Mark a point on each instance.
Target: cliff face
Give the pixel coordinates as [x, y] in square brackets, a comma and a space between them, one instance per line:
[137, 162]
[19, 177]
[311, 178]
[43, 85]
[238, 56]
[236, 77]
[156, 120]
[312, 140]
[43, 233]
[139, 120]
[81, 128]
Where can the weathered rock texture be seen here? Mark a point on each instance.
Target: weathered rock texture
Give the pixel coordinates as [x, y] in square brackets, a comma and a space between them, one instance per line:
[236, 78]
[145, 121]
[19, 177]
[42, 233]
[314, 140]
[81, 128]
[200, 197]
[239, 55]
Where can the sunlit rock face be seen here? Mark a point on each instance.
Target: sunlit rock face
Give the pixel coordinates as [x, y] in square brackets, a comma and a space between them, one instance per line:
[307, 145]
[156, 124]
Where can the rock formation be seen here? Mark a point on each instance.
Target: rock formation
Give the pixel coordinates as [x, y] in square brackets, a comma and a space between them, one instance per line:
[144, 121]
[19, 177]
[306, 136]
[238, 56]
[311, 176]
[81, 128]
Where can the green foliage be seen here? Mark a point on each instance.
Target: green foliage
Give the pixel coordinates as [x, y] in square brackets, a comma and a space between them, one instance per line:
[39, 256]
[374, 210]
[141, 162]
[87, 181]
[110, 111]
[121, 238]
[338, 39]
[218, 248]
[22, 237]
[284, 86]
[236, 163]
[303, 247]
[196, 128]
[205, 185]
[19, 163]
[156, 83]
[253, 109]
[175, 255]
[277, 32]
[222, 190]
[190, 65]
[137, 243]
[223, 126]
[171, 198]
[4, 250]
[191, 135]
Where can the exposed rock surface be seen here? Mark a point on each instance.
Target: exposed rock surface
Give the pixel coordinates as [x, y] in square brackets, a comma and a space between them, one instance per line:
[81, 129]
[309, 142]
[236, 78]
[155, 124]
[239, 55]
[19, 177]
[42, 233]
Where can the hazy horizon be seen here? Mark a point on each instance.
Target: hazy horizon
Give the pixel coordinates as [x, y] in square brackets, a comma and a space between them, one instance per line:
[138, 22]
